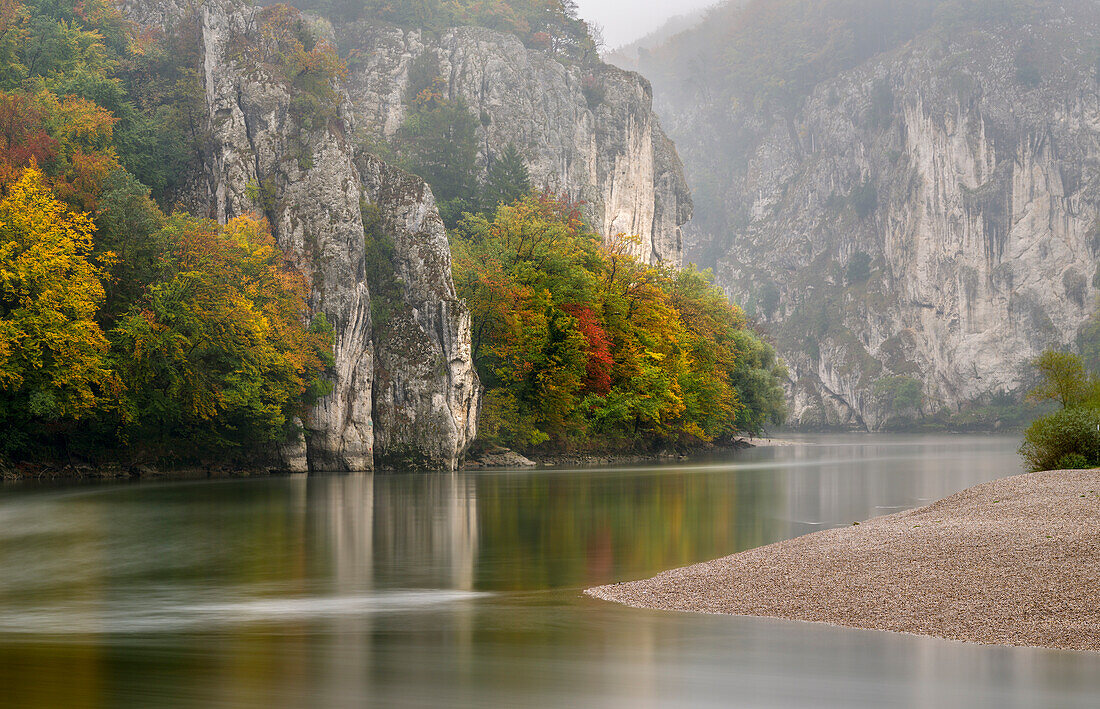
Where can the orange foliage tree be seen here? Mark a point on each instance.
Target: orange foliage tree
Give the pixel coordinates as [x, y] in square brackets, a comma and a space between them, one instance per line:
[581, 345]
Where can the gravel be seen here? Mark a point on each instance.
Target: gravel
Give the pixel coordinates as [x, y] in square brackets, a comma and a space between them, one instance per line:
[1013, 562]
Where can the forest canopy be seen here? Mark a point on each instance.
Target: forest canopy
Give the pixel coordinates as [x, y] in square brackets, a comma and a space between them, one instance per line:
[578, 342]
[125, 331]
[133, 331]
[551, 25]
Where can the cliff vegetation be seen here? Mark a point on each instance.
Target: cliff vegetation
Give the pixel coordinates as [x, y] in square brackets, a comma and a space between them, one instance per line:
[550, 25]
[125, 332]
[583, 347]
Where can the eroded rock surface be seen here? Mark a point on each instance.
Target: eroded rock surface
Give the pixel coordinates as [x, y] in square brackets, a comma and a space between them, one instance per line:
[589, 133]
[426, 392]
[928, 217]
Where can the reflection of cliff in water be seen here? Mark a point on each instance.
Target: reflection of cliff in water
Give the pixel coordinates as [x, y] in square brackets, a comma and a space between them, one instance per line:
[376, 529]
[494, 532]
[853, 478]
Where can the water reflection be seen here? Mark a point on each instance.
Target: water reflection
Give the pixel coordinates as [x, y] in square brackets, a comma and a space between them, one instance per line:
[463, 589]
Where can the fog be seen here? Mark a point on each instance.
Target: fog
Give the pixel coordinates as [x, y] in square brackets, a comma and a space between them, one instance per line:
[624, 21]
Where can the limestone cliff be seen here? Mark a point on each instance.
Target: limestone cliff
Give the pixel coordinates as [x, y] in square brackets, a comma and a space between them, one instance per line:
[588, 132]
[927, 217]
[426, 392]
[417, 393]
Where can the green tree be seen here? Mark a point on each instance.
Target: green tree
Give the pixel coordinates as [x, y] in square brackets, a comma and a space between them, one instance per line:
[1068, 438]
[858, 269]
[129, 225]
[506, 181]
[1064, 379]
[439, 143]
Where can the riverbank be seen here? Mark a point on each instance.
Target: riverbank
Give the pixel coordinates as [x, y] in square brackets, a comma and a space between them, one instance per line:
[504, 458]
[117, 471]
[494, 459]
[1014, 562]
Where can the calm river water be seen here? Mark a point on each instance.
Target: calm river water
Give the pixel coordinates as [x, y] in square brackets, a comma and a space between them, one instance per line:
[464, 590]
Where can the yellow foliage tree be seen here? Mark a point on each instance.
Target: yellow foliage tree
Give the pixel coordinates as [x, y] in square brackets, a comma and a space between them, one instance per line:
[52, 352]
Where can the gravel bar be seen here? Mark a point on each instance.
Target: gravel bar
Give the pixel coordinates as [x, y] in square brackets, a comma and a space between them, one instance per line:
[1011, 562]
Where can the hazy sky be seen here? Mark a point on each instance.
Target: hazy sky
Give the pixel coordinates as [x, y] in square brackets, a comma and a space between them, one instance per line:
[624, 21]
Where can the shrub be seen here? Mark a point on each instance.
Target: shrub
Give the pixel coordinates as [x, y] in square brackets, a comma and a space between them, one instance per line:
[1072, 461]
[900, 393]
[859, 268]
[1027, 71]
[864, 199]
[1069, 438]
[593, 90]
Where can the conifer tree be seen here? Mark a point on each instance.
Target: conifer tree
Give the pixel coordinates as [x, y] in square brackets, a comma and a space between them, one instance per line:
[506, 180]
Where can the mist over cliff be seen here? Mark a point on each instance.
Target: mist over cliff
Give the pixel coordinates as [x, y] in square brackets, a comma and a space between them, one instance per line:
[905, 197]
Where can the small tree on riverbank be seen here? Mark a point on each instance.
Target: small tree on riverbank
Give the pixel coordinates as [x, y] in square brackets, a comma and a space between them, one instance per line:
[1068, 438]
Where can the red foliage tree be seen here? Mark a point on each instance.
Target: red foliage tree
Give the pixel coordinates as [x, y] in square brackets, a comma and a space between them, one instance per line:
[598, 367]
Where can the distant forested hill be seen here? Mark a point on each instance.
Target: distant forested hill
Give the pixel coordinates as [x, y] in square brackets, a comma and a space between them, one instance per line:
[626, 56]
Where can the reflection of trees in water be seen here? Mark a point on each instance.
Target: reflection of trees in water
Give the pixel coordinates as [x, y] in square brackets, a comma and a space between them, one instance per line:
[469, 531]
[556, 529]
[561, 530]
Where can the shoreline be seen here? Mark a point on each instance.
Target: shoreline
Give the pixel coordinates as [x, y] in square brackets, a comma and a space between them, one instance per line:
[1010, 562]
[506, 458]
[42, 472]
[26, 471]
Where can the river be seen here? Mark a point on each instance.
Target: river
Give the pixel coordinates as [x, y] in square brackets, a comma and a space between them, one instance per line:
[464, 590]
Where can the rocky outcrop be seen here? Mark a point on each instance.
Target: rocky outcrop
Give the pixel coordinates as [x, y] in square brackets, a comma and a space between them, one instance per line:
[418, 393]
[426, 392]
[369, 236]
[587, 132]
[924, 225]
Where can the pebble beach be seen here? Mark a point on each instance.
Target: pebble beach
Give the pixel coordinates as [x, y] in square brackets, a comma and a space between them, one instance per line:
[1015, 561]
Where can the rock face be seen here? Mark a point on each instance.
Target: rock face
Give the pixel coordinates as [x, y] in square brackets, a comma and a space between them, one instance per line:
[426, 392]
[924, 225]
[418, 393]
[588, 133]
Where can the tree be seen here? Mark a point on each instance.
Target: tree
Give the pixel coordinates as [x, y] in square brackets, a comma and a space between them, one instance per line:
[1063, 379]
[53, 361]
[581, 345]
[516, 272]
[130, 226]
[858, 269]
[216, 357]
[439, 143]
[506, 181]
[1070, 437]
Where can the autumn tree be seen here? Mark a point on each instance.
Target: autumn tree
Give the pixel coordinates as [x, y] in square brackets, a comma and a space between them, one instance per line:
[53, 355]
[577, 342]
[216, 357]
